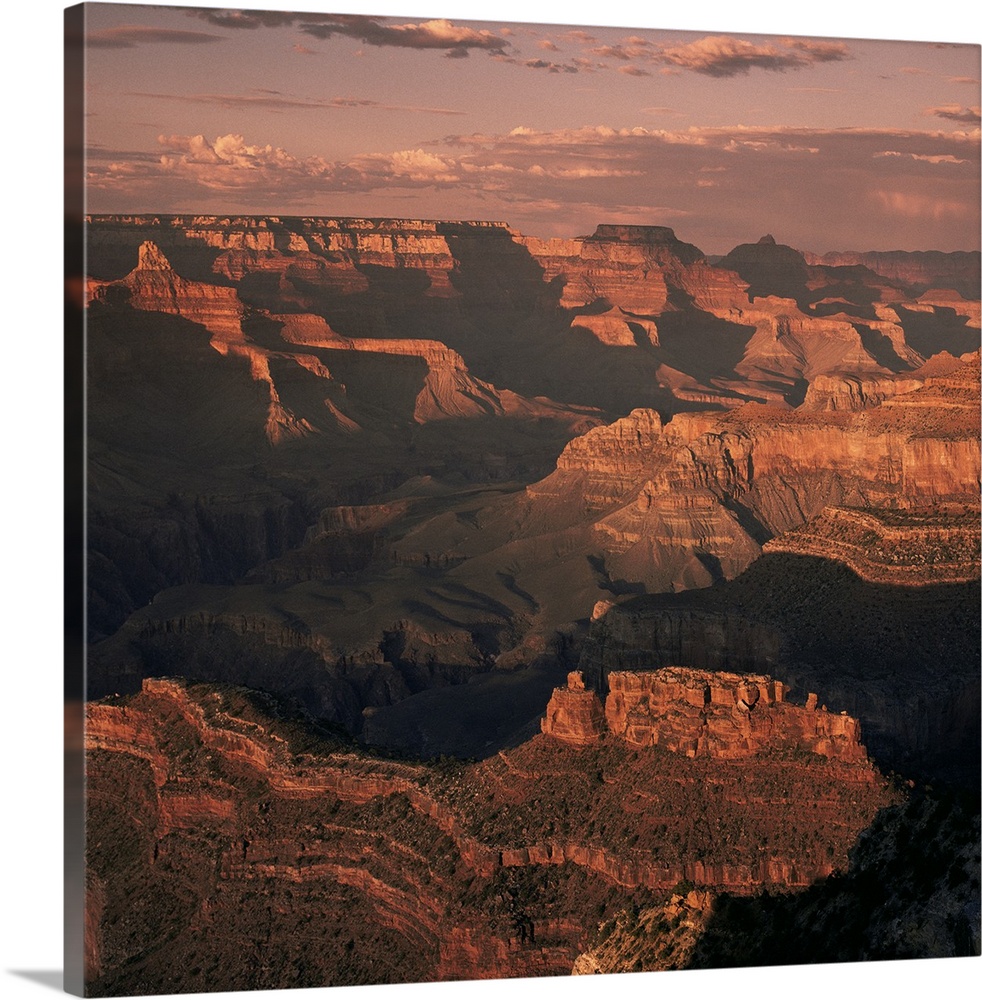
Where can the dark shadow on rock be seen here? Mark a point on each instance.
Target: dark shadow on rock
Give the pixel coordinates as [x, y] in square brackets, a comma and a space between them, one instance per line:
[112, 251]
[940, 330]
[769, 268]
[702, 344]
[880, 348]
[911, 891]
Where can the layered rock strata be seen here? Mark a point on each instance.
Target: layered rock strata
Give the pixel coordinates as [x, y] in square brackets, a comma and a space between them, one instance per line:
[753, 326]
[574, 714]
[905, 548]
[919, 268]
[699, 713]
[210, 807]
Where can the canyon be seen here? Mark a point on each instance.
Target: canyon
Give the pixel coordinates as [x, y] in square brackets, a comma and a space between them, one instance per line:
[538, 604]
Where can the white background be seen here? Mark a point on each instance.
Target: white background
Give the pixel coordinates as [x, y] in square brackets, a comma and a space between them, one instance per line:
[30, 486]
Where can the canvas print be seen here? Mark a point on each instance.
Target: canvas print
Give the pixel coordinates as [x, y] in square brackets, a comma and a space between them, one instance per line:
[531, 484]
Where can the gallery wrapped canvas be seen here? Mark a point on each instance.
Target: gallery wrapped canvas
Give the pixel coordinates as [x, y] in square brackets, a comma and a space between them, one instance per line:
[530, 499]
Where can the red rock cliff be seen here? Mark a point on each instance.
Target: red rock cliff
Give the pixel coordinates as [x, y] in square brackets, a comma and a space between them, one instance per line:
[701, 713]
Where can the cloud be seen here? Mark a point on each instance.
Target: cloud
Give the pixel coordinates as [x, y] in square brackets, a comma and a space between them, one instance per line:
[547, 46]
[578, 35]
[129, 36]
[550, 66]
[436, 34]
[302, 50]
[822, 188]
[275, 101]
[587, 65]
[192, 168]
[545, 64]
[196, 147]
[456, 40]
[934, 158]
[629, 48]
[250, 19]
[963, 79]
[956, 113]
[229, 163]
[414, 165]
[726, 56]
[937, 158]
[817, 51]
[713, 55]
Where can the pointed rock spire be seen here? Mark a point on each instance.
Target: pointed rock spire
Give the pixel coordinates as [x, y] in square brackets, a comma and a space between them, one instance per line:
[152, 258]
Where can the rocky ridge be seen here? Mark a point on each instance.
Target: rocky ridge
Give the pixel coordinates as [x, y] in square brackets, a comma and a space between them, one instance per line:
[904, 548]
[448, 389]
[919, 269]
[912, 885]
[204, 797]
[695, 332]
[685, 502]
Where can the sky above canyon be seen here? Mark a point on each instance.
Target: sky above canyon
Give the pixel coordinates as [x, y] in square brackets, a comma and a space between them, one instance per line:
[827, 143]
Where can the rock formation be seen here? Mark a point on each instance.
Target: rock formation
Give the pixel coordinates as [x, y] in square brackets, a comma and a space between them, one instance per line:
[894, 547]
[215, 808]
[574, 714]
[653, 938]
[154, 286]
[888, 905]
[552, 306]
[698, 713]
[690, 501]
[919, 269]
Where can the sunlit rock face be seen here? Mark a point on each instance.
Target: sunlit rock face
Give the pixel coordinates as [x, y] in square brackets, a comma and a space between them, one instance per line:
[702, 713]
[574, 714]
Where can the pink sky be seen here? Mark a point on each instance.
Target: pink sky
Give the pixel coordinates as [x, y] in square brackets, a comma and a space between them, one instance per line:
[826, 143]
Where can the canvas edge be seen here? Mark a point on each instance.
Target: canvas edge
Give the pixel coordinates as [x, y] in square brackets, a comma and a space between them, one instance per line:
[74, 504]
[74, 528]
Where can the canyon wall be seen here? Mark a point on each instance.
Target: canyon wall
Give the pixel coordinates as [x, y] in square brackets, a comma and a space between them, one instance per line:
[919, 268]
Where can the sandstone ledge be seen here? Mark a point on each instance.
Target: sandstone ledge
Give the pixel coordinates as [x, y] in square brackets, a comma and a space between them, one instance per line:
[701, 713]
[902, 548]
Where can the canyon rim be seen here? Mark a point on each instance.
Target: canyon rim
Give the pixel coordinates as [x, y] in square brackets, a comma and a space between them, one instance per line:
[531, 499]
